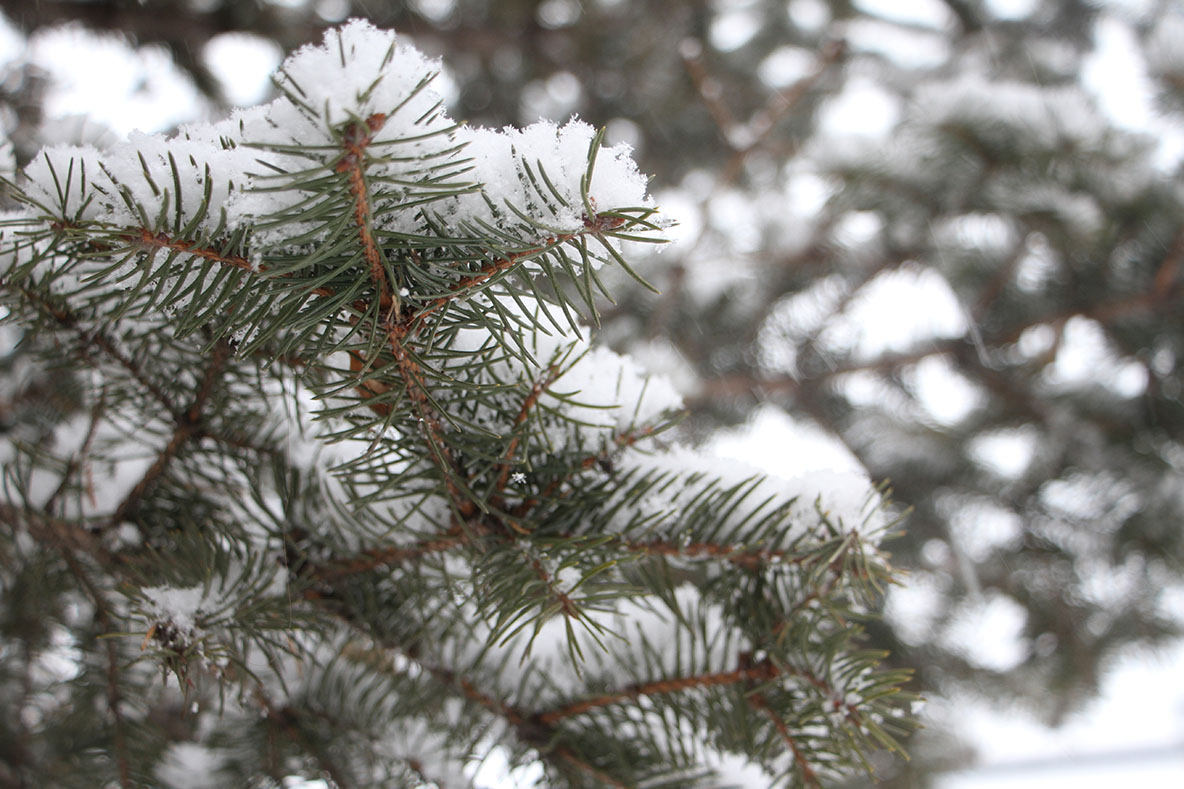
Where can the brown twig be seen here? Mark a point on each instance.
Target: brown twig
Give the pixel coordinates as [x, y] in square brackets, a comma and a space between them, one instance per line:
[154, 240]
[382, 557]
[412, 379]
[357, 136]
[758, 702]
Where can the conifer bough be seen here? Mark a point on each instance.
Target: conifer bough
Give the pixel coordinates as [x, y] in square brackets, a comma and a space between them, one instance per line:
[346, 493]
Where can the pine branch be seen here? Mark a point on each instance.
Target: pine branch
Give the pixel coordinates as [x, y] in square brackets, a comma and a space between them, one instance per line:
[78, 459]
[66, 319]
[288, 720]
[49, 530]
[419, 396]
[187, 427]
[763, 672]
[114, 693]
[418, 309]
[809, 776]
[528, 728]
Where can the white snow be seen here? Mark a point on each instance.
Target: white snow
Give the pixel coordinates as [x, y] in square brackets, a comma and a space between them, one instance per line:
[143, 88]
[989, 632]
[1006, 452]
[846, 499]
[182, 607]
[190, 765]
[243, 64]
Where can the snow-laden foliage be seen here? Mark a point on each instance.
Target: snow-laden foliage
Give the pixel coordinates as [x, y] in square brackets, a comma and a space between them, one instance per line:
[341, 447]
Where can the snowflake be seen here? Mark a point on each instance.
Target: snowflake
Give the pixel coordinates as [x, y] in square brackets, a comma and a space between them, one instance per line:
[517, 478]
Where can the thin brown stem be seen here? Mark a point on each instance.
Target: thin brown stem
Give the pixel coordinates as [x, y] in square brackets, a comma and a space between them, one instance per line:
[285, 720]
[758, 702]
[416, 388]
[779, 105]
[384, 557]
[154, 240]
[357, 137]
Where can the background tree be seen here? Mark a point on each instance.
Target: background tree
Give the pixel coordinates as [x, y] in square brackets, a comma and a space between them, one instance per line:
[1031, 417]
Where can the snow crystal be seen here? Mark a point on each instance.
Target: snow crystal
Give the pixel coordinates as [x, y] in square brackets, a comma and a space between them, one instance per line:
[182, 607]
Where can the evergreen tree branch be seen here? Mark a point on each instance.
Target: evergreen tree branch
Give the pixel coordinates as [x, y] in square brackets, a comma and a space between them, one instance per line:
[440, 397]
[187, 427]
[751, 558]
[374, 558]
[763, 672]
[66, 319]
[566, 605]
[1167, 277]
[758, 702]
[1154, 299]
[529, 729]
[48, 530]
[569, 756]
[536, 391]
[78, 459]
[114, 693]
[287, 719]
